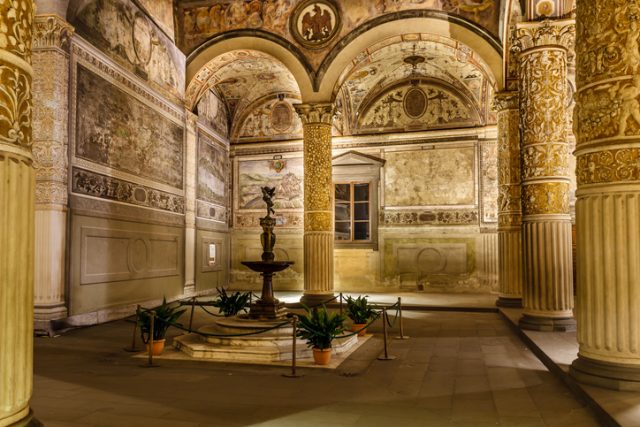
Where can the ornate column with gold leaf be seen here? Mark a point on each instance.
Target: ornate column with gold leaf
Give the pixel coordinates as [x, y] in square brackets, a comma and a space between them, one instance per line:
[546, 222]
[318, 202]
[509, 200]
[17, 182]
[607, 127]
[50, 62]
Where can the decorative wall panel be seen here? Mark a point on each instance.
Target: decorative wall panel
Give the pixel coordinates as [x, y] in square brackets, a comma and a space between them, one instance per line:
[128, 36]
[284, 174]
[447, 177]
[116, 130]
[212, 112]
[213, 171]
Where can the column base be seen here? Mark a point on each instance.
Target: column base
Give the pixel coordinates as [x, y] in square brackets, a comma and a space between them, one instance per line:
[607, 375]
[547, 324]
[312, 300]
[189, 289]
[28, 421]
[509, 302]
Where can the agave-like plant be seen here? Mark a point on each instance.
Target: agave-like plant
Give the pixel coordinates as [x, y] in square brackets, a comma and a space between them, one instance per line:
[166, 315]
[359, 310]
[319, 327]
[231, 304]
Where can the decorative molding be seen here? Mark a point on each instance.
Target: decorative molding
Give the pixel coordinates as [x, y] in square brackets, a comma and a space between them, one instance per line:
[110, 188]
[547, 33]
[315, 113]
[507, 100]
[82, 205]
[443, 217]
[545, 198]
[609, 166]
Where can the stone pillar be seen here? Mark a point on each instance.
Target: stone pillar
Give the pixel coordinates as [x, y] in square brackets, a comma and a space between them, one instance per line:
[50, 158]
[318, 202]
[190, 204]
[17, 182]
[546, 222]
[509, 201]
[607, 128]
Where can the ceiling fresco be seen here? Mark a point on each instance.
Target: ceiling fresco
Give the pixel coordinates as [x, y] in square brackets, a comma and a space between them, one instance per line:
[241, 78]
[199, 21]
[383, 65]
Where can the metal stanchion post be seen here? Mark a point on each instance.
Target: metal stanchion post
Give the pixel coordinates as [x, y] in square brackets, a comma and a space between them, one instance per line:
[293, 373]
[133, 348]
[402, 335]
[193, 306]
[340, 304]
[150, 345]
[384, 332]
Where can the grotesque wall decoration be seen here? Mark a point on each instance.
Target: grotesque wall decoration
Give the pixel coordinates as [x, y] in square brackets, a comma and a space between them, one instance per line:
[116, 130]
[274, 119]
[213, 113]
[124, 32]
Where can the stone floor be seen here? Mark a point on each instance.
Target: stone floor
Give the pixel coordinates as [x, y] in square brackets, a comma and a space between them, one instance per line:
[458, 369]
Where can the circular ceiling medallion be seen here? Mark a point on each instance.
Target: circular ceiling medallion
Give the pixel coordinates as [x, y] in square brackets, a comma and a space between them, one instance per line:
[314, 23]
[545, 8]
[281, 117]
[142, 39]
[415, 102]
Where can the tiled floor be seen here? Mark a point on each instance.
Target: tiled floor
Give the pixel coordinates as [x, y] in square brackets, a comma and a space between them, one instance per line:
[458, 369]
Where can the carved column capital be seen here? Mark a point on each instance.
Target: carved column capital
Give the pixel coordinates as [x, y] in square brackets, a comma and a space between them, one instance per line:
[51, 31]
[506, 100]
[559, 33]
[191, 121]
[315, 113]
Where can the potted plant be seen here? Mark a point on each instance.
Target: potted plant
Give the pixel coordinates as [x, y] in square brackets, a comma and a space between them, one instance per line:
[165, 315]
[319, 327]
[230, 305]
[360, 312]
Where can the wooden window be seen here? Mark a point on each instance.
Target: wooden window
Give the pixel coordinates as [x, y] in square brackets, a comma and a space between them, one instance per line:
[353, 212]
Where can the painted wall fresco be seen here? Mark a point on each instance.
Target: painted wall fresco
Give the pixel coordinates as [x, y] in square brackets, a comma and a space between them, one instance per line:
[162, 13]
[284, 174]
[114, 129]
[213, 171]
[446, 177]
[489, 162]
[127, 35]
[274, 119]
[431, 107]
[106, 187]
[213, 113]
[200, 22]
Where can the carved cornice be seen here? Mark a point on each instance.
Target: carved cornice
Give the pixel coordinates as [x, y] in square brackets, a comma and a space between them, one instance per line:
[546, 33]
[315, 113]
[51, 31]
[507, 100]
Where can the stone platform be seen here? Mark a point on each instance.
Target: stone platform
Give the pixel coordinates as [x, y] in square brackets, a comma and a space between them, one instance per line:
[270, 346]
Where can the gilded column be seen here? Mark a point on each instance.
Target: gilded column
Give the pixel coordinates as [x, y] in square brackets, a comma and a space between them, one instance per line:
[546, 222]
[50, 158]
[190, 204]
[318, 202]
[510, 270]
[16, 213]
[607, 128]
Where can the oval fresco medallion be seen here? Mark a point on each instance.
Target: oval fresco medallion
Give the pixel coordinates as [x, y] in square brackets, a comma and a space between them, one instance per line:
[415, 102]
[281, 117]
[314, 23]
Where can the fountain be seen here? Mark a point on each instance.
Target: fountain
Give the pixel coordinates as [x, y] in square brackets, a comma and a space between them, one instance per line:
[267, 307]
[240, 344]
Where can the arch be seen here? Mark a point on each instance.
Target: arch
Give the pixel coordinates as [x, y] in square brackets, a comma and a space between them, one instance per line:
[262, 41]
[414, 21]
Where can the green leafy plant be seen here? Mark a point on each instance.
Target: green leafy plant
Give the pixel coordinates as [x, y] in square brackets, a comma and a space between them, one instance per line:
[319, 327]
[166, 315]
[231, 304]
[359, 310]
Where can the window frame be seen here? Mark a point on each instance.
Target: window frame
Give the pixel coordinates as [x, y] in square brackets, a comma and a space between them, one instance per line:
[352, 211]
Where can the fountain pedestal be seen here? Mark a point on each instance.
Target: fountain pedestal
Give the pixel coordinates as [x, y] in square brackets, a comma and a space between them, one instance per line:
[267, 307]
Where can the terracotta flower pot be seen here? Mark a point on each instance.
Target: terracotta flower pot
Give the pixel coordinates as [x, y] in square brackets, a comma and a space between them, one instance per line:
[157, 347]
[359, 328]
[322, 356]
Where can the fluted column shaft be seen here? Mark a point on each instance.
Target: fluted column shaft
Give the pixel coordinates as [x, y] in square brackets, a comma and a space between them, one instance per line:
[191, 136]
[50, 156]
[546, 223]
[16, 212]
[607, 124]
[509, 201]
[318, 202]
